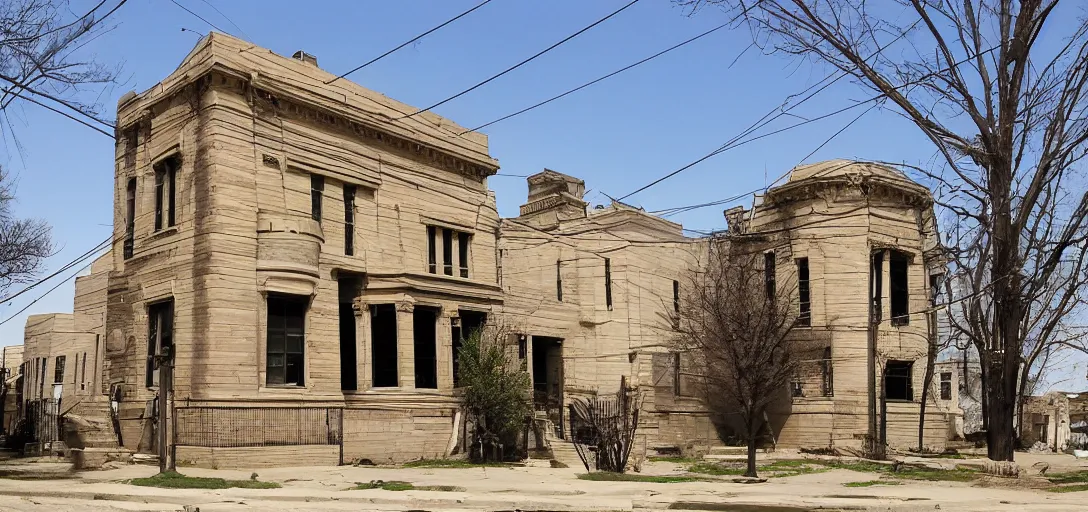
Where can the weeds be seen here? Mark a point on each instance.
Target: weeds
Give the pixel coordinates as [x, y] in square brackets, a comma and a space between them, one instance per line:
[1068, 478]
[174, 480]
[605, 476]
[397, 485]
[870, 483]
[1069, 488]
[449, 463]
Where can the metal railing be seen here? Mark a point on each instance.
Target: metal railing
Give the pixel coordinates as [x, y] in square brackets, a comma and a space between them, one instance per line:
[242, 426]
[42, 421]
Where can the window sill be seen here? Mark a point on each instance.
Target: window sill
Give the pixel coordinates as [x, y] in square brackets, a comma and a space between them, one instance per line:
[280, 388]
[163, 233]
[898, 401]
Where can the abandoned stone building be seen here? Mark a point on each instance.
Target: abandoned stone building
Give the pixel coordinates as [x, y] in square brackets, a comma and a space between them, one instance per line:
[310, 254]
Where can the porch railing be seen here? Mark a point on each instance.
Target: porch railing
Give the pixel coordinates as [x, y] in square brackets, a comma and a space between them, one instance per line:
[242, 426]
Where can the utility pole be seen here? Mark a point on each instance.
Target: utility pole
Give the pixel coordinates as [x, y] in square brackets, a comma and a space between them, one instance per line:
[165, 362]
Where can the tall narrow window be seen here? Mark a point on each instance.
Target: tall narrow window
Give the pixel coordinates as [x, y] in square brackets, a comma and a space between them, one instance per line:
[676, 296]
[897, 380]
[876, 285]
[558, 281]
[285, 353]
[469, 324]
[828, 371]
[349, 220]
[432, 250]
[383, 338]
[165, 182]
[934, 289]
[160, 337]
[462, 254]
[83, 373]
[58, 370]
[608, 283]
[317, 190]
[676, 374]
[348, 288]
[130, 217]
[41, 378]
[804, 318]
[768, 275]
[447, 252]
[897, 273]
[424, 323]
[946, 385]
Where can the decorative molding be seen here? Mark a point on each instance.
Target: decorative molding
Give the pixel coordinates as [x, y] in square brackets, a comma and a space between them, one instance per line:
[405, 306]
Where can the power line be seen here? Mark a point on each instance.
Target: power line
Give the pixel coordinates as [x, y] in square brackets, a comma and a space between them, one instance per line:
[610, 75]
[80, 259]
[232, 23]
[201, 18]
[522, 63]
[42, 296]
[410, 41]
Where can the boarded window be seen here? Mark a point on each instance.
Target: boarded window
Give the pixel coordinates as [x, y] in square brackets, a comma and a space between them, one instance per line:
[432, 250]
[349, 220]
[130, 217]
[160, 337]
[58, 370]
[285, 363]
[424, 323]
[897, 274]
[383, 333]
[804, 298]
[317, 190]
[946, 385]
[608, 283]
[898, 381]
[768, 275]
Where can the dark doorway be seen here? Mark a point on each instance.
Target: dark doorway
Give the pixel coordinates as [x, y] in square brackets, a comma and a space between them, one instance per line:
[470, 322]
[383, 329]
[349, 288]
[548, 379]
[424, 327]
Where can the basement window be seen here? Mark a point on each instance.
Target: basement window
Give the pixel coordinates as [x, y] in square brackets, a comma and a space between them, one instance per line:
[900, 295]
[286, 340]
[804, 299]
[160, 337]
[317, 190]
[897, 381]
[165, 185]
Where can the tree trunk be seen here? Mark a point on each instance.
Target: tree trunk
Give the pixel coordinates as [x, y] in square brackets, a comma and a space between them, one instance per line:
[754, 424]
[1021, 390]
[1000, 434]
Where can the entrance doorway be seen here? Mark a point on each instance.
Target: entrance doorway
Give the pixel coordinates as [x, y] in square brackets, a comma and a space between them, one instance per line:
[548, 380]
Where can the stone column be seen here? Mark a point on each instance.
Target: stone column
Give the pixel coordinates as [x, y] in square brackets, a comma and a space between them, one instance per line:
[365, 378]
[444, 355]
[406, 350]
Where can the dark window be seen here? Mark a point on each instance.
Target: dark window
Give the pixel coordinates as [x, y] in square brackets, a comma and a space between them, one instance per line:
[804, 299]
[897, 380]
[523, 346]
[462, 253]
[41, 378]
[432, 250]
[286, 340]
[349, 220]
[383, 334]
[470, 324]
[676, 374]
[558, 281]
[797, 389]
[608, 283]
[130, 217]
[946, 386]
[828, 371]
[424, 324]
[768, 275]
[934, 289]
[676, 296]
[876, 283]
[897, 274]
[447, 252]
[58, 370]
[317, 189]
[165, 182]
[83, 373]
[348, 288]
[160, 337]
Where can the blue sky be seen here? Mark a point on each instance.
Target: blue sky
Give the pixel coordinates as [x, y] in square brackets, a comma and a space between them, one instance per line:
[616, 135]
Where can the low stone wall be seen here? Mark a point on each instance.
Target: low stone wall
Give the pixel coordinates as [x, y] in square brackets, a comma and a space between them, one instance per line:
[395, 436]
[258, 457]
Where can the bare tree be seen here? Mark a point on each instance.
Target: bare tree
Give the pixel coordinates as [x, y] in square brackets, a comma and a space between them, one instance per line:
[736, 324]
[40, 58]
[1006, 115]
[24, 243]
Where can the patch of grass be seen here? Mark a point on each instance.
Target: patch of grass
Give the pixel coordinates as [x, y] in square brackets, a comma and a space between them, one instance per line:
[397, 485]
[710, 468]
[870, 483]
[674, 459]
[778, 468]
[174, 480]
[604, 476]
[1068, 478]
[1069, 488]
[905, 472]
[449, 463]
